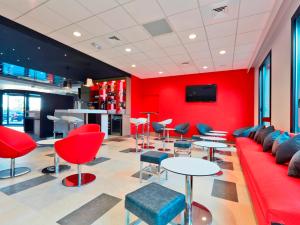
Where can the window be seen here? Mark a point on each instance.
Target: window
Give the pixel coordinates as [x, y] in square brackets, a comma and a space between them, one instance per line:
[295, 79]
[265, 91]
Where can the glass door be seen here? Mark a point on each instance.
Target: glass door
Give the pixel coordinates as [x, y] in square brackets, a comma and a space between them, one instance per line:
[265, 91]
[13, 109]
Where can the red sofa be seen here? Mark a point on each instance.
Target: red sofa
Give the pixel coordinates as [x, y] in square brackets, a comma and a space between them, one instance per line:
[275, 195]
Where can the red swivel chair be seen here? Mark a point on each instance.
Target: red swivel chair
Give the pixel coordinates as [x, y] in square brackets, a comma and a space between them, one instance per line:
[80, 147]
[14, 144]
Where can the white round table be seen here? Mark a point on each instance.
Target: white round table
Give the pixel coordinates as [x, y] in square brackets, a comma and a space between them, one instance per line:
[218, 131]
[195, 213]
[56, 167]
[212, 147]
[213, 138]
[215, 134]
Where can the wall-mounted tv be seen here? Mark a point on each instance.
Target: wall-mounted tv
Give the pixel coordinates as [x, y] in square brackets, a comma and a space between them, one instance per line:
[201, 93]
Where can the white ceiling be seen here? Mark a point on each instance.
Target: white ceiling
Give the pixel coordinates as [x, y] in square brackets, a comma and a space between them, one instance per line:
[238, 32]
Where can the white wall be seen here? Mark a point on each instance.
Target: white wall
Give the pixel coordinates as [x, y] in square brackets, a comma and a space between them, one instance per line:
[278, 40]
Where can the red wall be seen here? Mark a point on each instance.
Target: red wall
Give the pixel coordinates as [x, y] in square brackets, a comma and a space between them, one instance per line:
[233, 109]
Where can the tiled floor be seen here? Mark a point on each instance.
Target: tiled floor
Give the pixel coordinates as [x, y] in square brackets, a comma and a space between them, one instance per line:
[43, 201]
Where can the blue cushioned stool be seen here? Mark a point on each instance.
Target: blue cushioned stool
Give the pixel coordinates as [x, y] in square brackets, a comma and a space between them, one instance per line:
[155, 205]
[155, 158]
[196, 138]
[182, 148]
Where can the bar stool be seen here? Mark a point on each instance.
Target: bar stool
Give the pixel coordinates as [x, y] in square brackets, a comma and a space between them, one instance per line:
[164, 123]
[54, 119]
[154, 159]
[72, 120]
[142, 121]
[182, 148]
[137, 122]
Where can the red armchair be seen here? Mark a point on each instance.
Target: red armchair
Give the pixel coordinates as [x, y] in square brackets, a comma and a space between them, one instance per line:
[80, 147]
[14, 144]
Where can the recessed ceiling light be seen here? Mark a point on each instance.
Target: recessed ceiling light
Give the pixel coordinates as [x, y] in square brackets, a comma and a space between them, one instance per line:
[205, 67]
[222, 52]
[39, 48]
[160, 72]
[77, 34]
[128, 49]
[65, 54]
[28, 58]
[1, 53]
[14, 49]
[133, 65]
[18, 60]
[192, 36]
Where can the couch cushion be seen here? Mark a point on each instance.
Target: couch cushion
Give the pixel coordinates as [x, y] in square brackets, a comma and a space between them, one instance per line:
[256, 136]
[269, 140]
[275, 203]
[286, 150]
[279, 140]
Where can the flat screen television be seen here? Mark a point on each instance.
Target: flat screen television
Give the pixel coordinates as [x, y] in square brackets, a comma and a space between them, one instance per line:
[201, 93]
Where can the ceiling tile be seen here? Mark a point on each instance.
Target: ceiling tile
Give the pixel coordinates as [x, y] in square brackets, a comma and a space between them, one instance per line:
[249, 37]
[155, 54]
[95, 26]
[243, 56]
[117, 18]
[201, 55]
[122, 48]
[108, 53]
[186, 20]
[175, 6]
[96, 6]
[46, 16]
[8, 11]
[137, 57]
[207, 2]
[69, 9]
[221, 29]
[22, 5]
[252, 23]
[175, 50]
[251, 7]
[197, 46]
[245, 48]
[146, 45]
[210, 16]
[34, 24]
[184, 35]
[163, 61]
[178, 59]
[88, 46]
[144, 11]
[220, 43]
[241, 64]
[167, 40]
[134, 34]
[123, 1]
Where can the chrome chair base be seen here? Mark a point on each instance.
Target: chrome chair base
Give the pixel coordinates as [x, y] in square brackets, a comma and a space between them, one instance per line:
[9, 173]
[51, 169]
[75, 181]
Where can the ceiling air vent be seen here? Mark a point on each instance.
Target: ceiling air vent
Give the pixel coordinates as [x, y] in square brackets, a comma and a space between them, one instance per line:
[220, 12]
[114, 38]
[185, 63]
[158, 27]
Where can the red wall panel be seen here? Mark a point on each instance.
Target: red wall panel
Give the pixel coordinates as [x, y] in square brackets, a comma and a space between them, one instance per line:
[233, 109]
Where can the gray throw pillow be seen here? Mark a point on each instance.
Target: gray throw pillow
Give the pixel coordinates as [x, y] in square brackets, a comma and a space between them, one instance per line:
[257, 134]
[287, 149]
[279, 140]
[269, 140]
[263, 133]
[294, 165]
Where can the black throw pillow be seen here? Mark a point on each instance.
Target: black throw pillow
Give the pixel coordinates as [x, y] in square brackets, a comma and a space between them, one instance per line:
[253, 130]
[279, 140]
[294, 165]
[263, 134]
[257, 134]
[287, 149]
[269, 140]
[251, 135]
